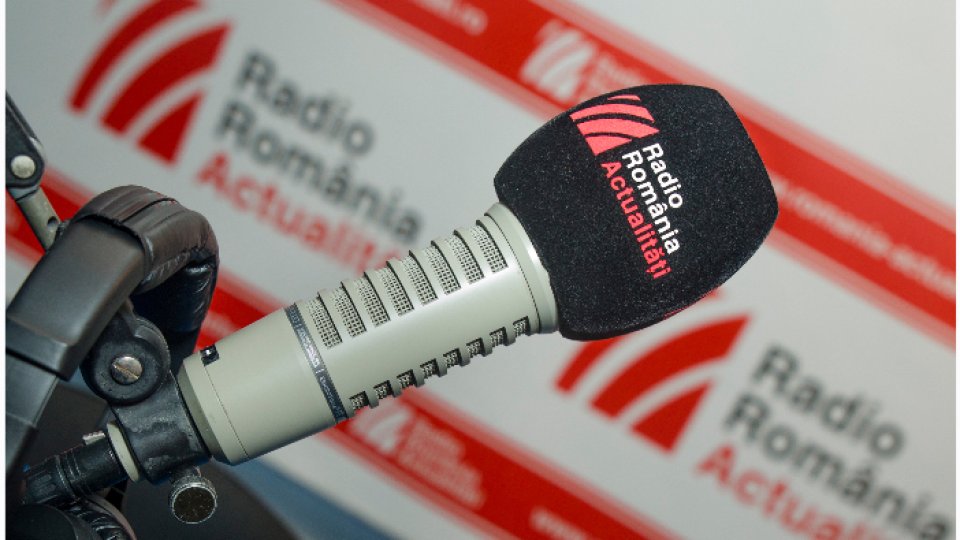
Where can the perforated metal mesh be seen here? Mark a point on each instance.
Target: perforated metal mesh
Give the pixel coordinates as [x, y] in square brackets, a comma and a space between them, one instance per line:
[498, 337]
[401, 302]
[405, 379]
[452, 358]
[372, 302]
[429, 368]
[467, 261]
[424, 291]
[410, 268]
[447, 280]
[359, 401]
[521, 327]
[326, 329]
[348, 311]
[490, 250]
[475, 347]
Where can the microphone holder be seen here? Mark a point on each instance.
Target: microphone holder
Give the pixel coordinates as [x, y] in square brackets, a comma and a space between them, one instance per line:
[120, 293]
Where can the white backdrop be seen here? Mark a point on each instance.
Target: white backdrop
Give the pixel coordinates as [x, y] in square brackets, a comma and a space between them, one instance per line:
[851, 104]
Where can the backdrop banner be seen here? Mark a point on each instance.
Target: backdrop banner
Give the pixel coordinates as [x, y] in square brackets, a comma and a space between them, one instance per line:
[811, 396]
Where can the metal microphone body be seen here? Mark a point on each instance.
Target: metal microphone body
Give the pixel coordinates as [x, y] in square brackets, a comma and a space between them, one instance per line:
[311, 365]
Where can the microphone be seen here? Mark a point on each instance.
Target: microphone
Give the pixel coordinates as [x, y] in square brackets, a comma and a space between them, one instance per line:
[611, 217]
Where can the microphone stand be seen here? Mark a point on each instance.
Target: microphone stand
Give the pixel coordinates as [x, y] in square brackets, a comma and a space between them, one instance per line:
[120, 295]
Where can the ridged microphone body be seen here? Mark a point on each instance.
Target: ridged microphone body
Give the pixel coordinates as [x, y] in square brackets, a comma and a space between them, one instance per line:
[317, 362]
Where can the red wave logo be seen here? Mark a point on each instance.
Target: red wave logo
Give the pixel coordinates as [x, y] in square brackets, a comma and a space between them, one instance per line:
[559, 64]
[190, 56]
[614, 123]
[649, 371]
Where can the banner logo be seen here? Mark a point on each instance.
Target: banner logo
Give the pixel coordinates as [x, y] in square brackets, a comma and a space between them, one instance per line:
[557, 66]
[618, 121]
[642, 376]
[174, 64]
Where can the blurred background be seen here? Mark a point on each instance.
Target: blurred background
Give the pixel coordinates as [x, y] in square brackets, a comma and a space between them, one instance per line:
[811, 397]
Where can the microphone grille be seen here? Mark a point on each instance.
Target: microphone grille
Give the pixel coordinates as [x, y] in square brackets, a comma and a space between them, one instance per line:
[398, 296]
[447, 280]
[359, 401]
[422, 286]
[382, 389]
[324, 324]
[406, 379]
[498, 337]
[467, 261]
[452, 358]
[475, 347]
[454, 265]
[522, 327]
[372, 302]
[490, 251]
[348, 312]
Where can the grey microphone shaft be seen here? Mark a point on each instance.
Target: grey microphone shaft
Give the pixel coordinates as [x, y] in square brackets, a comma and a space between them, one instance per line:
[307, 367]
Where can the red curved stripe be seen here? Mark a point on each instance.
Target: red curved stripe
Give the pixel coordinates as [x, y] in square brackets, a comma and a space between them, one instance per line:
[587, 356]
[613, 108]
[616, 126]
[680, 353]
[593, 350]
[164, 137]
[123, 40]
[625, 96]
[602, 143]
[664, 424]
[190, 56]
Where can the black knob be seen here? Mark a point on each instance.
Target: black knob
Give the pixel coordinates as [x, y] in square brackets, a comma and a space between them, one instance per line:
[192, 497]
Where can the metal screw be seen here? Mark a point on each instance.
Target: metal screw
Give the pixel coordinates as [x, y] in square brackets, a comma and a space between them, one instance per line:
[126, 369]
[91, 438]
[23, 166]
[193, 498]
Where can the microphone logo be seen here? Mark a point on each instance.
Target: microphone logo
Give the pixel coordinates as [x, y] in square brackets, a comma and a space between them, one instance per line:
[614, 123]
[158, 102]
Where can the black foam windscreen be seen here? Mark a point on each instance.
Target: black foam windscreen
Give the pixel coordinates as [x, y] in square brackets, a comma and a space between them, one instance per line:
[639, 202]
